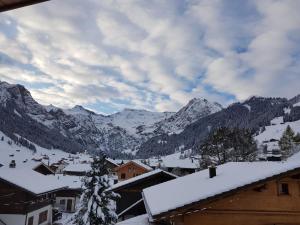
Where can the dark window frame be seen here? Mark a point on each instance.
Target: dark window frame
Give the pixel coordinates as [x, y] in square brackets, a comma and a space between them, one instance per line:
[43, 217]
[283, 189]
[30, 220]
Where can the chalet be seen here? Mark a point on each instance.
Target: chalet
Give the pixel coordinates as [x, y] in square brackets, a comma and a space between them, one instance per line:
[131, 202]
[67, 198]
[175, 163]
[131, 169]
[43, 169]
[26, 197]
[247, 193]
[59, 166]
[111, 165]
[79, 169]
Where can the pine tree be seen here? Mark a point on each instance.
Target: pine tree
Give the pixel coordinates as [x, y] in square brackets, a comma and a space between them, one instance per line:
[225, 144]
[286, 142]
[97, 203]
[297, 138]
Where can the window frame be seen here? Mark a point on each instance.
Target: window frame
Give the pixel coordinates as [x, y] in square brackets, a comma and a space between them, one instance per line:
[283, 191]
[30, 220]
[123, 175]
[43, 217]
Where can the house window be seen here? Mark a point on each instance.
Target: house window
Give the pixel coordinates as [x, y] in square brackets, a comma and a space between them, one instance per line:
[30, 221]
[43, 217]
[62, 202]
[123, 176]
[283, 189]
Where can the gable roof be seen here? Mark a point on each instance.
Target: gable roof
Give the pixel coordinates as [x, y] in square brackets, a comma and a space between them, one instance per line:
[31, 181]
[140, 178]
[13, 4]
[198, 187]
[79, 167]
[136, 162]
[73, 182]
[112, 161]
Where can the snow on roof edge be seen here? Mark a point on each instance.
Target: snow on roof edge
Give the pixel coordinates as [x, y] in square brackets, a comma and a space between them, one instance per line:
[137, 178]
[271, 176]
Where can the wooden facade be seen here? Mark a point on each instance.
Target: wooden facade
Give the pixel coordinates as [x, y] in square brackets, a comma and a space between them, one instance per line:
[44, 169]
[275, 201]
[15, 200]
[130, 170]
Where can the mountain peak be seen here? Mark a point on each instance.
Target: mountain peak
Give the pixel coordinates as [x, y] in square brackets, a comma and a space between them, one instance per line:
[78, 109]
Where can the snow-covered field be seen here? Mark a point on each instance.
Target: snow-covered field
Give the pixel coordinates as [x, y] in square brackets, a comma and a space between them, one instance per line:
[276, 129]
[25, 157]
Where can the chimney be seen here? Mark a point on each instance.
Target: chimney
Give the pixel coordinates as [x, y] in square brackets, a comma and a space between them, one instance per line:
[12, 164]
[212, 171]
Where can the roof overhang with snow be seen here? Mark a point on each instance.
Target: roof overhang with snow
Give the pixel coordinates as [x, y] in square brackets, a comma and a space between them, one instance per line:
[142, 179]
[6, 5]
[188, 207]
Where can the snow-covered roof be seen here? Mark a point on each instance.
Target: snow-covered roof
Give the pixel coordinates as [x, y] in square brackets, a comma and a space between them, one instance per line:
[140, 177]
[142, 165]
[198, 186]
[73, 182]
[137, 162]
[139, 220]
[79, 167]
[30, 180]
[112, 161]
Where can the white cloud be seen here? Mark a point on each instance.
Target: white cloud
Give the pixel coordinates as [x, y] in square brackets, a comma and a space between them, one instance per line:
[155, 54]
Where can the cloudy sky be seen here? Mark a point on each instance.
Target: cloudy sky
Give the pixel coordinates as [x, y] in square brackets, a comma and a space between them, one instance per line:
[151, 54]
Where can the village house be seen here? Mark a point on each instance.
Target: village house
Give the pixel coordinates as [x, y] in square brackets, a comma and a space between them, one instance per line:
[26, 197]
[111, 165]
[59, 166]
[131, 203]
[43, 169]
[243, 193]
[131, 169]
[79, 169]
[66, 199]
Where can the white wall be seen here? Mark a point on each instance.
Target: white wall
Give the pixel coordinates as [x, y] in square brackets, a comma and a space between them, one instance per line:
[13, 219]
[63, 208]
[16, 219]
[36, 215]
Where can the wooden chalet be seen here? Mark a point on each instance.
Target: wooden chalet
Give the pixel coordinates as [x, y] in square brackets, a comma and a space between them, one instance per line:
[131, 169]
[258, 193]
[14, 4]
[111, 165]
[131, 202]
[26, 197]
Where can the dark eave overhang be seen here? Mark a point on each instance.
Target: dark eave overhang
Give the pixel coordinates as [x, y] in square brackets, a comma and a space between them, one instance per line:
[6, 5]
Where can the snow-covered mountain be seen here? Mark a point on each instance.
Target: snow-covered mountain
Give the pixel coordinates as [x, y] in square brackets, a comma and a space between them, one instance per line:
[255, 114]
[78, 129]
[196, 108]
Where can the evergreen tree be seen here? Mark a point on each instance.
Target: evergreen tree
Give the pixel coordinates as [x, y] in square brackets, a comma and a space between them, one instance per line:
[297, 138]
[225, 144]
[286, 142]
[97, 203]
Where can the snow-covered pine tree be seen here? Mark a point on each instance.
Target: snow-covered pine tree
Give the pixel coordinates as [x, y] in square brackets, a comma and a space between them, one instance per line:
[97, 203]
[297, 138]
[286, 142]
